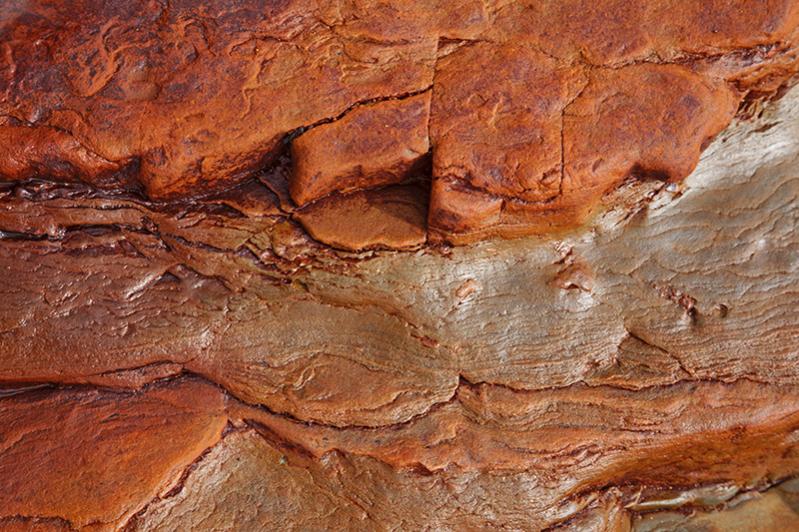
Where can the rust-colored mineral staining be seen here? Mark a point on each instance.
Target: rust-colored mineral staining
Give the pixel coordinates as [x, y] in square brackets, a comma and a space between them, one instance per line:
[538, 109]
[93, 457]
[395, 264]
[375, 145]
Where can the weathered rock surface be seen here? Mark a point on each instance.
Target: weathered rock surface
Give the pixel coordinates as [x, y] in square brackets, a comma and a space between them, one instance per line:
[93, 458]
[182, 99]
[195, 336]
[580, 381]
[392, 218]
[375, 145]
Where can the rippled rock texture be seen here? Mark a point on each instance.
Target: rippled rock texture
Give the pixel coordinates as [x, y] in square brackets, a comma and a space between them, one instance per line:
[237, 292]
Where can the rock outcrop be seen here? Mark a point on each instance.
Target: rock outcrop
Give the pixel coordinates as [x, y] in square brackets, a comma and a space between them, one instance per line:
[538, 108]
[387, 264]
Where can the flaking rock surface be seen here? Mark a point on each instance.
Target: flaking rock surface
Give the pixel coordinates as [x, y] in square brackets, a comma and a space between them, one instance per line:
[234, 295]
[538, 108]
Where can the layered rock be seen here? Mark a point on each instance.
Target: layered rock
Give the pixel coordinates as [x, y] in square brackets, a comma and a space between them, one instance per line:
[646, 365]
[228, 302]
[184, 100]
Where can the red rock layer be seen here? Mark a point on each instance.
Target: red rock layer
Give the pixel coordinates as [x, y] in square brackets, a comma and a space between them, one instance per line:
[374, 145]
[94, 458]
[192, 98]
[493, 457]
[388, 218]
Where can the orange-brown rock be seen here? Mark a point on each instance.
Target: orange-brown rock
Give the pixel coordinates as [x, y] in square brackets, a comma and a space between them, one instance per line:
[492, 457]
[501, 138]
[615, 32]
[229, 299]
[186, 100]
[193, 96]
[609, 134]
[28, 153]
[375, 145]
[94, 458]
[393, 218]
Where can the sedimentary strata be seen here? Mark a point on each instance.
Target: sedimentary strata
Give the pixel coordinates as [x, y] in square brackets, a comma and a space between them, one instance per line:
[253, 273]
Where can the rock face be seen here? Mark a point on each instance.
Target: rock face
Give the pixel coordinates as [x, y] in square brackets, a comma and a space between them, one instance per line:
[374, 145]
[257, 274]
[538, 108]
